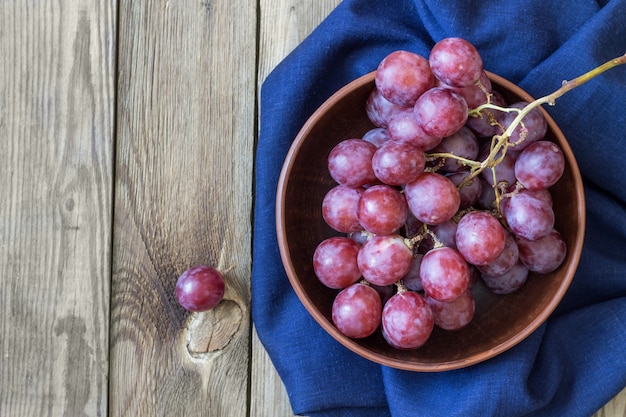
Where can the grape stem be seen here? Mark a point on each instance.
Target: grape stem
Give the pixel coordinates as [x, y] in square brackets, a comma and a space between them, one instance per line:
[500, 143]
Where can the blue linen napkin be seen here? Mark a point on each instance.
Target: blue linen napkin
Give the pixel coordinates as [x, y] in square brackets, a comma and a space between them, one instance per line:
[571, 365]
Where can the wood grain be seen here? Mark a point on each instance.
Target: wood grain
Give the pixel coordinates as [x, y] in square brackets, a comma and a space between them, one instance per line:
[182, 197]
[283, 25]
[56, 159]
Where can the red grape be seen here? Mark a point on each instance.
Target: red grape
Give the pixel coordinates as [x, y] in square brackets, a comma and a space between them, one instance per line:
[446, 233]
[543, 255]
[384, 260]
[339, 208]
[403, 127]
[462, 143]
[487, 123]
[470, 192]
[432, 198]
[440, 112]
[200, 288]
[382, 210]
[533, 127]
[397, 163]
[540, 165]
[480, 237]
[407, 320]
[509, 282]
[412, 278]
[456, 62]
[403, 76]
[474, 95]
[444, 274]
[528, 217]
[379, 110]
[455, 314]
[335, 262]
[357, 310]
[350, 162]
[505, 170]
[377, 136]
[505, 261]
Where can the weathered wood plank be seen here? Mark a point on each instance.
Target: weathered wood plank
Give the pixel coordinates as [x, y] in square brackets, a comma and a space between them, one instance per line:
[56, 176]
[283, 25]
[185, 138]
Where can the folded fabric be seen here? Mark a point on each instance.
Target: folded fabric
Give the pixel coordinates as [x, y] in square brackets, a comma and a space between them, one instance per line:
[576, 361]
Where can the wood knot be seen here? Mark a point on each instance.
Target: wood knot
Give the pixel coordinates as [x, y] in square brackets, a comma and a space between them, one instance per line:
[210, 332]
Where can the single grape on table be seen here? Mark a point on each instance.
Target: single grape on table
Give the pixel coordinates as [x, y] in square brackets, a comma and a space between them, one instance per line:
[200, 288]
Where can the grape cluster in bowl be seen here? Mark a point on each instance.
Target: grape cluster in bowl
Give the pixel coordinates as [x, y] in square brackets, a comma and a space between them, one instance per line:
[452, 213]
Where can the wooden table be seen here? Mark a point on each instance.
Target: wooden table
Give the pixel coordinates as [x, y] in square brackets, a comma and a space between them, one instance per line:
[127, 137]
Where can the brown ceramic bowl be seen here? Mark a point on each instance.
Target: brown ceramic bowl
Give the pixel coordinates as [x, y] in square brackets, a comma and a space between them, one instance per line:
[500, 321]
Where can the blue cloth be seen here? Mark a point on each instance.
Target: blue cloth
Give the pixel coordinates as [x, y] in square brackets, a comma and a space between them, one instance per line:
[570, 366]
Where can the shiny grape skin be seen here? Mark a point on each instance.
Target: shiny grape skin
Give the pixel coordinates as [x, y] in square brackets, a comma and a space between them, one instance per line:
[540, 165]
[350, 162]
[335, 262]
[432, 198]
[379, 110]
[528, 217]
[407, 320]
[403, 76]
[357, 310]
[440, 112]
[456, 62]
[397, 163]
[505, 261]
[509, 282]
[200, 288]
[384, 260]
[480, 237]
[453, 315]
[543, 255]
[444, 274]
[382, 210]
[340, 206]
[403, 127]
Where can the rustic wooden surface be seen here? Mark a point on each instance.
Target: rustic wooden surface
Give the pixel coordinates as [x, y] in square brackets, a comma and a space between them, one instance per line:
[127, 135]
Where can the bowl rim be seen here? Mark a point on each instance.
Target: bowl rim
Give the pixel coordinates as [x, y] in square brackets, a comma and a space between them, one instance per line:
[353, 345]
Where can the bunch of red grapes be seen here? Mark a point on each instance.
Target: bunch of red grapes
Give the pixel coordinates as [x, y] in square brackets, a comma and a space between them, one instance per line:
[450, 188]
